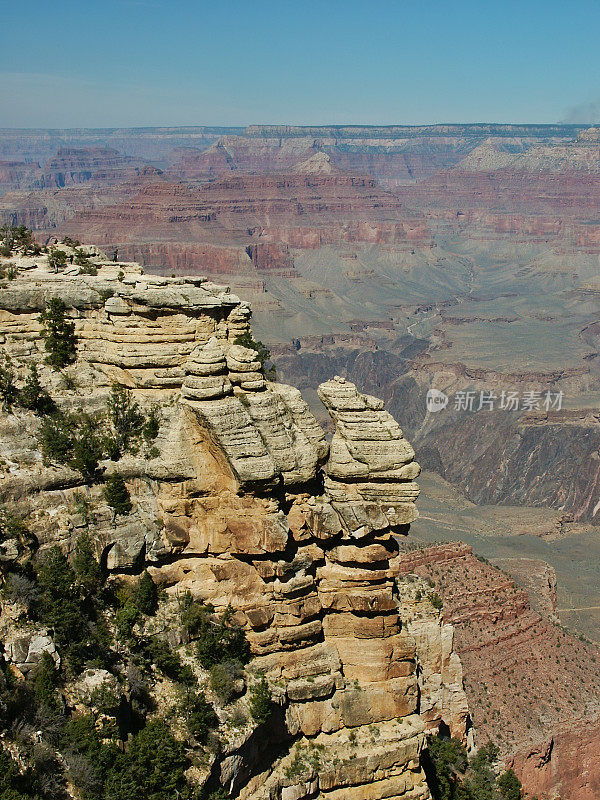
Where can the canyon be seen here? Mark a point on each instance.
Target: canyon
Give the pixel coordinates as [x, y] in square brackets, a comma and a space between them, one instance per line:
[459, 258]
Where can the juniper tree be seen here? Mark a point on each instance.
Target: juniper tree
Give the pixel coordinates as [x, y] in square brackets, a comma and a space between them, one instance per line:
[117, 495]
[59, 334]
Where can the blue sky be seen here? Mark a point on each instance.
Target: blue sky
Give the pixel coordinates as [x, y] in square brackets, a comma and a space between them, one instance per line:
[152, 62]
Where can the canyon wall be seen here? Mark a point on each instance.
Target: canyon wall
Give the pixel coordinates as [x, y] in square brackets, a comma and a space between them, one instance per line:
[245, 505]
[531, 685]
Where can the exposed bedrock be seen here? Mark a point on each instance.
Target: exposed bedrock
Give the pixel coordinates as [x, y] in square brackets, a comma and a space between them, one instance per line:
[244, 504]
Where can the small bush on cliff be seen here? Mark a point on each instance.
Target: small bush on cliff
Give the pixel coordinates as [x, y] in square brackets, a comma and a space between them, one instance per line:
[72, 439]
[128, 424]
[125, 620]
[13, 525]
[193, 614]
[125, 416]
[87, 450]
[261, 703]
[9, 394]
[87, 570]
[117, 495]
[56, 438]
[451, 775]
[151, 425]
[57, 259]
[224, 679]
[17, 238]
[152, 768]
[34, 397]
[59, 334]
[16, 783]
[201, 716]
[146, 595]
[169, 662]
[81, 260]
[59, 607]
[9, 271]
[73, 617]
[44, 684]
[510, 786]
[220, 640]
[263, 353]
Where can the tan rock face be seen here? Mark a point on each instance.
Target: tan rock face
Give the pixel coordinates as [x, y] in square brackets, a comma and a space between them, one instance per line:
[250, 516]
[369, 459]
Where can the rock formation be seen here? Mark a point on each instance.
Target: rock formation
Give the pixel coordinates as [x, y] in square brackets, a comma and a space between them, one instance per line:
[245, 505]
[531, 685]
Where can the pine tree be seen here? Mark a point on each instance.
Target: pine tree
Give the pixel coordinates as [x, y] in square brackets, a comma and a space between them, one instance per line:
[117, 495]
[87, 570]
[9, 393]
[34, 397]
[260, 702]
[59, 334]
[146, 596]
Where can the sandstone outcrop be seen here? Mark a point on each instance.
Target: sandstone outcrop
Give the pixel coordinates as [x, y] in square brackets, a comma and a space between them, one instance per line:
[244, 504]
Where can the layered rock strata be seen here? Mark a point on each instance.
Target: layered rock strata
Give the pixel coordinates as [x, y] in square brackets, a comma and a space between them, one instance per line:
[245, 505]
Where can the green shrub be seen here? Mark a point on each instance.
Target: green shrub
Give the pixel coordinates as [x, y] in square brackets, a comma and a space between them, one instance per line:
[436, 601]
[8, 389]
[44, 683]
[87, 451]
[117, 495]
[146, 595]
[13, 526]
[9, 270]
[201, 717]
[86, 266]
[220, 640]
[34, 397]
[17, 783]
[169, 662]
[125, 619]
[60, 609]
[261, 704]
[68, 382]
[510, 786]
[152, 768]
[79, 635]
[74, 440]
[85, 566]
[125, 416]
[223, 679]
[452, 776]
[151, 425]
[57, 259]
[22, 237]
[448, 759]
[59, 334]
[57, 438]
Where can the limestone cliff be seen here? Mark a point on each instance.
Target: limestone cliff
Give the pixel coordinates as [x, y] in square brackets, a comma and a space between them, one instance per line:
[243, 503]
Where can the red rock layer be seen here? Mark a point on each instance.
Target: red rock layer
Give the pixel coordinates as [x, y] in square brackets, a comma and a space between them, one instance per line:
[525, 677]
[256, 218]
